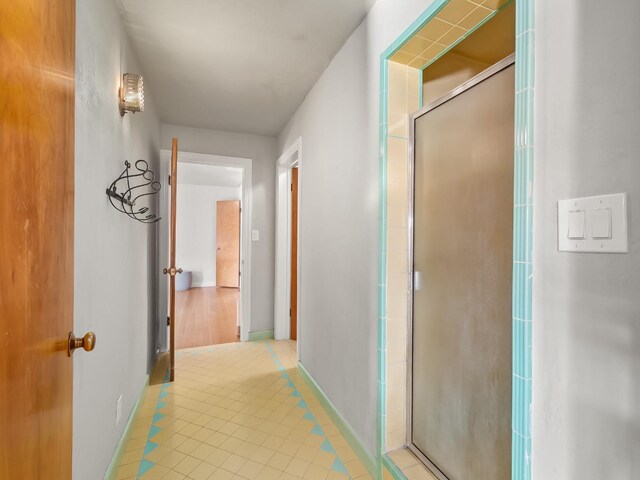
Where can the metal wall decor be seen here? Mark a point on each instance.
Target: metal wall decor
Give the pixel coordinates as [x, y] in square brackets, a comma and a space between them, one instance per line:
[134, 186]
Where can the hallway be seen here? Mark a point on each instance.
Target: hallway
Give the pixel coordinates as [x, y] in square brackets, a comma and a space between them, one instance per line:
[372, 239]
[235, 411]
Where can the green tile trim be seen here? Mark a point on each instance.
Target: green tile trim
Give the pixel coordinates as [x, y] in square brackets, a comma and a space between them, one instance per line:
[431, 11]
[261, 335]
[346, 430]
[393, 468]
[117, 455]
[523, 242]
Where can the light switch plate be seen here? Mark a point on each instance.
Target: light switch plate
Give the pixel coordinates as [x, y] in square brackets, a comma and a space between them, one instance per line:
[604, 229]
[255, 235]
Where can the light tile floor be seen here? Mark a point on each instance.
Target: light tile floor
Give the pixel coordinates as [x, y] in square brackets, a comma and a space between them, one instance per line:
[410, 466]
[236, 411]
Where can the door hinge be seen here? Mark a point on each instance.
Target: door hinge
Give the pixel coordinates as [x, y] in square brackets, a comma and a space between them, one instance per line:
[168, 321]
[289, 313]
[169, 179]
[292, 187]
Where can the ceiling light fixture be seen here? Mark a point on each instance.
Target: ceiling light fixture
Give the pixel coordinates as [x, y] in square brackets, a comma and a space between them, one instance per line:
[131, 94]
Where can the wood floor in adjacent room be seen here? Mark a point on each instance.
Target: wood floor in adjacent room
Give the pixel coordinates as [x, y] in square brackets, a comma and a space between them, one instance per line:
[206, 316]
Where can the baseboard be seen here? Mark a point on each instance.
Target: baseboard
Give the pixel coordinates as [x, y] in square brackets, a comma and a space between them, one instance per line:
[393, 469]
[117, 455]
[202, 284]
[352, 438]
[262, 335]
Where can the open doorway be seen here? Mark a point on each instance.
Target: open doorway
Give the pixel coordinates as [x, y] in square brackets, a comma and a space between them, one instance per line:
[208, 251]
[213, 212]
[287, 283]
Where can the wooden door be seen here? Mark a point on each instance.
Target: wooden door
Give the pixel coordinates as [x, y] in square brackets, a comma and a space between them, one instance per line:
[37, 69]
[294, 254]
[172, 271]
[228, 243]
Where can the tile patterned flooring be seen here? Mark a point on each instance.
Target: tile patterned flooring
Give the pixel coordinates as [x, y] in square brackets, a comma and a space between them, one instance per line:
[236, 411]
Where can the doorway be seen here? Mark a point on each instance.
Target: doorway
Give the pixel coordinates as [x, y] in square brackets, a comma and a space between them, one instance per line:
[287, 306]
[208, 251]
[212, 249]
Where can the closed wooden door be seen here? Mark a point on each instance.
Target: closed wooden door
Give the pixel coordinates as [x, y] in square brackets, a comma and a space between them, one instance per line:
[37, 69]
[228, 243]
[294, 254]
[172, 270]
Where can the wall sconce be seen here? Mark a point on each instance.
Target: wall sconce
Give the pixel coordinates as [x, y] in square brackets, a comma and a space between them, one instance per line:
[131, 94]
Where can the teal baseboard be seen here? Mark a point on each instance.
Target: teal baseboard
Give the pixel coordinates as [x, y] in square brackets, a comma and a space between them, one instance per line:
[352, 438]
[261, 335]
[117, 455]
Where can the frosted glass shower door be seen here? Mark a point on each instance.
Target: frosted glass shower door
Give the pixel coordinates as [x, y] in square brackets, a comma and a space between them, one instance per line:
[460, 388]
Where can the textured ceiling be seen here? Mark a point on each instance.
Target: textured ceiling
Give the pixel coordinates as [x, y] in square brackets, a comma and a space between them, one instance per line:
[236, 65]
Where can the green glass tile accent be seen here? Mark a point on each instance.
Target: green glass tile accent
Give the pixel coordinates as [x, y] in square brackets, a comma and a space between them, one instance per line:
[523, 173]
[522, 245]
[524, 54]
[525, 16]
[522, 241]
[524, 119]
[521, 343]
[521, 458]
[522, 281]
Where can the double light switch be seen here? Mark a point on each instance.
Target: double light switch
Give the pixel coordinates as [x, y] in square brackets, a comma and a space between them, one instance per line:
[593, 224]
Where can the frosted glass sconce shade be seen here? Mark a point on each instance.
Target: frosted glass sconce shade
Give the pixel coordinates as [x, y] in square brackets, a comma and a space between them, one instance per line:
[131, 94]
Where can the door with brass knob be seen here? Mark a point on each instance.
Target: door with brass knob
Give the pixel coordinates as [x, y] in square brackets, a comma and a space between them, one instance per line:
[37, 101]
[171, 270]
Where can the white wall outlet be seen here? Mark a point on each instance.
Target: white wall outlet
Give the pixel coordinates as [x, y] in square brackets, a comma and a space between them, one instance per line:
[118, 410]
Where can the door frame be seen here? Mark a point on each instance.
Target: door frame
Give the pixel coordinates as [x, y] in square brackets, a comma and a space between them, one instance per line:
[290, 158]
[469, 84]
[245, 164]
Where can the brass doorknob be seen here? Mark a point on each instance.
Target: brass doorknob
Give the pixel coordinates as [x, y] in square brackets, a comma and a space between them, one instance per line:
[171, 271]
[88, 342]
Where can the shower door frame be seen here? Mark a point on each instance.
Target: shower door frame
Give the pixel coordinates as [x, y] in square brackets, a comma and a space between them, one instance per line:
[472, 82]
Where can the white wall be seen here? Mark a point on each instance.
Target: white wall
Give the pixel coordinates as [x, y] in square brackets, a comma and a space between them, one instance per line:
[196, 229]
[586, 344]
[338, 122]
[263, 152]
[115, 287]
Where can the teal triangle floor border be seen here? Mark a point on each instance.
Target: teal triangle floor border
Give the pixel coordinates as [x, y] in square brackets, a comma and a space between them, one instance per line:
[145, 466]
[338, 466]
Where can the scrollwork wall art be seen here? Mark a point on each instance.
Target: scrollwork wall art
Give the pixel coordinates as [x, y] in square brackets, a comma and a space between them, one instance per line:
[132, 185]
